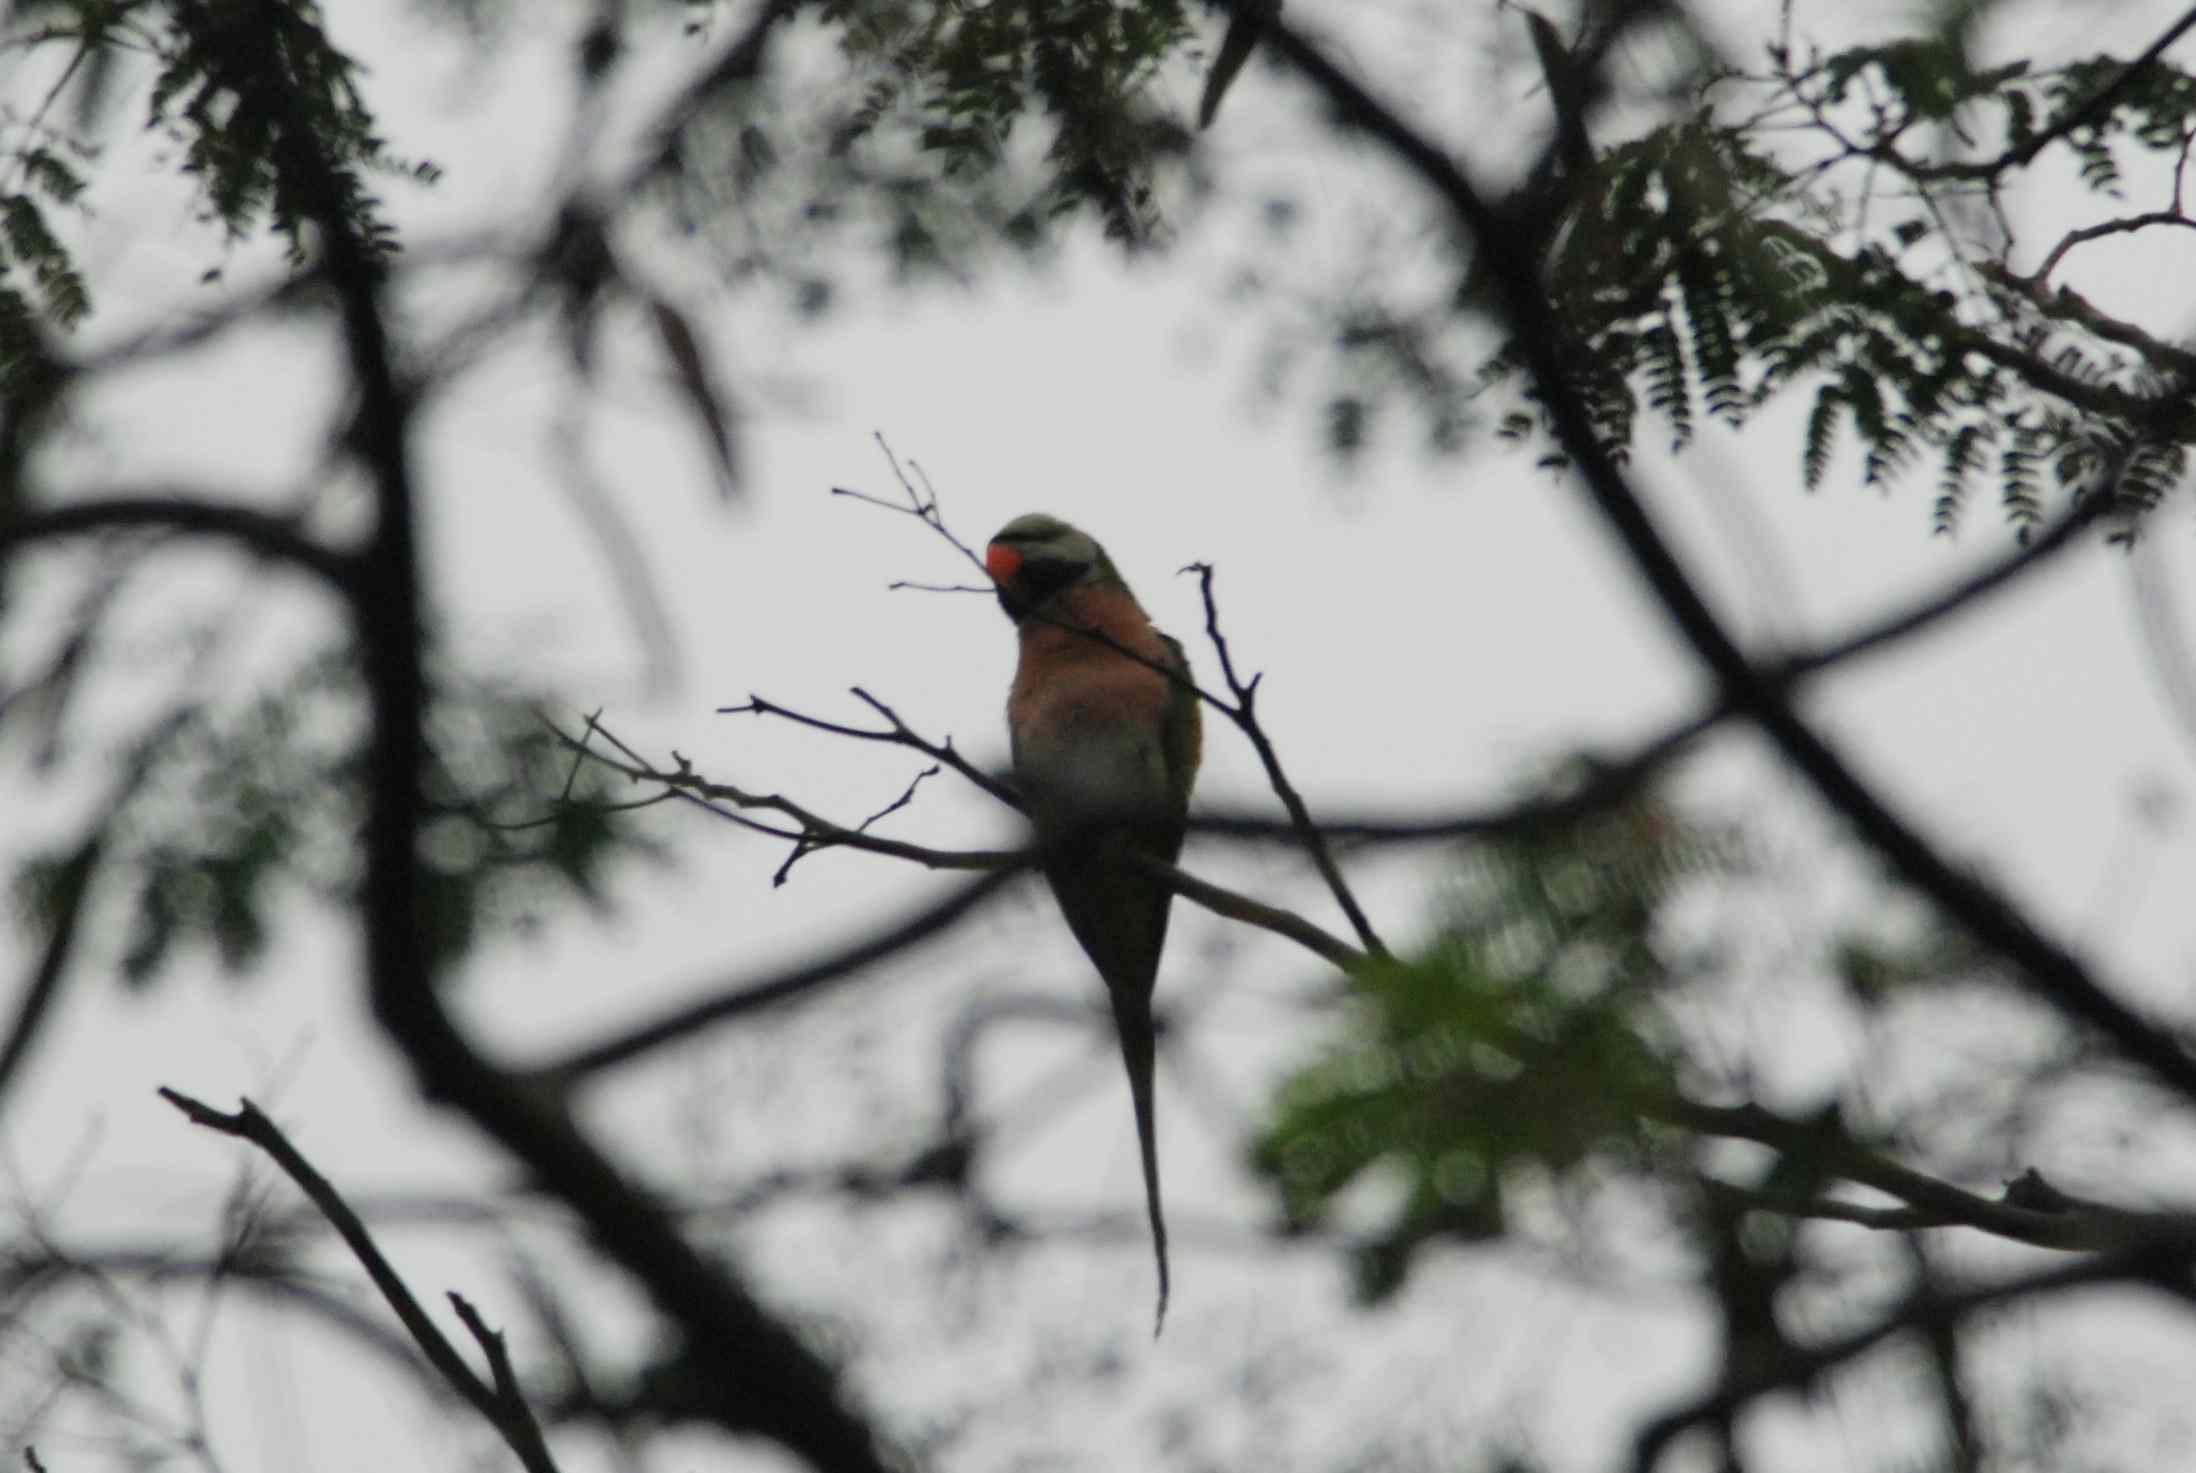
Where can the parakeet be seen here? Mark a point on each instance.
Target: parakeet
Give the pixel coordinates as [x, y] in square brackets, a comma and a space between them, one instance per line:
[1105, 749]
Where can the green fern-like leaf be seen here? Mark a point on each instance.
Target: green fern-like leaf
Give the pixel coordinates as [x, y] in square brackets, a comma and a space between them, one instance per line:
[1962, 461]
[1821, 434]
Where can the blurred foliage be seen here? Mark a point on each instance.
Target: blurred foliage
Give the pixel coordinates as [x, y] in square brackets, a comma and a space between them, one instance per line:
[244, 811]
[934, 136]
[1883, 964]
[1524, 1036]
[234, 85]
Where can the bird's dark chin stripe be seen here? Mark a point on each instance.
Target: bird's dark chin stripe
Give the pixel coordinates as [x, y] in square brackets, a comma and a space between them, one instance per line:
[1041, 578]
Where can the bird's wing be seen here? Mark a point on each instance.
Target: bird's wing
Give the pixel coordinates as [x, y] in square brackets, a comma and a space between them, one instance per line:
[1181, 740]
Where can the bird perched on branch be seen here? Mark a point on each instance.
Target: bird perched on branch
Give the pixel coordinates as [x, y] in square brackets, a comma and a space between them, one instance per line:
[1105, 733]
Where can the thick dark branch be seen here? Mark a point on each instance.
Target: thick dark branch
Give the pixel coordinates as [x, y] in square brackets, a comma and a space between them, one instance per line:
[816, 832]
[1931, 609]
[1981, 910]
[765, 1378]
[2025, 1214]
[2101, 101]
[504, 1407]
[178, 511]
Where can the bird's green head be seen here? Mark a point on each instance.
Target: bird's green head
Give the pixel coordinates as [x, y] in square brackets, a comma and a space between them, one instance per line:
[1036, 557]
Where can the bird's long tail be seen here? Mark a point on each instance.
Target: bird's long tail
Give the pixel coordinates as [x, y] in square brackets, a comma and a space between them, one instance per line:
[1139, 1048]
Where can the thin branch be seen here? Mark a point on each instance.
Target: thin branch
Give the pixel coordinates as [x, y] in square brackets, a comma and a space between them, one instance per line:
[906, 797]
[535, 1452]
[1244, 713]
[43, 987]
[793, 983]
[816, 832]
[1611, 780]
[2069, 306]
[2126, 225]
[1931, 609]
[1601, 784]
[1251, 912]
[2019, 1215]
[504, 1407]
[781, 986]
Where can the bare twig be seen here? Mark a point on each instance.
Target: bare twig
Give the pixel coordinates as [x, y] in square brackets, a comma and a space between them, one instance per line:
[1244, 713]
[898, 734]
[2125, 225]
[508, 1389]
[814, 831]
[504, 1406]
[1251, 912]
[906, 797]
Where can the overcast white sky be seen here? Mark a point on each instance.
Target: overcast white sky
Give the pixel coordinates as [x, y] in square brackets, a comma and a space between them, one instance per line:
[1430, 632]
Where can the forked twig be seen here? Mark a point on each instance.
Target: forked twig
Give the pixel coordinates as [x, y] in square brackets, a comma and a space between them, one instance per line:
[1244, 713]
[504, 1404]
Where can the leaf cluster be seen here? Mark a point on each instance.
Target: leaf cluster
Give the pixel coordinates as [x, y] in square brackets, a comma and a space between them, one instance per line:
[937, 134]
[1523, 1038]
[242, 812]
[1702, 276]
[964, 78]
[238, 86]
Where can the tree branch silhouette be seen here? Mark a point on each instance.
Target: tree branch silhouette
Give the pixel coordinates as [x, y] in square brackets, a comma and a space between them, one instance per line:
[503, 1405]
[1928, 1310]
[766, 1379]
[1978, 907]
